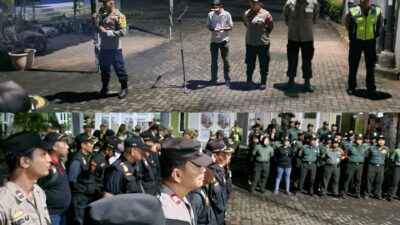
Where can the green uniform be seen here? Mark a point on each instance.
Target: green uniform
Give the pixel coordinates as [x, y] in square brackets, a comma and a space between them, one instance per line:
[262, 155]
[308, 156]
[376, 168]
[297, 146]
[331, 169]
[395, 157]
[292, 132]
[356, 156]
[322, 131]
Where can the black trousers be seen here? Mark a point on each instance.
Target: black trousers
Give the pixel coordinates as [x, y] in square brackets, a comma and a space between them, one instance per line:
[353, 171]
[224, 48]
[263, 57]
[395, 181]
[307, 54]
[114, 58]
[369, 49]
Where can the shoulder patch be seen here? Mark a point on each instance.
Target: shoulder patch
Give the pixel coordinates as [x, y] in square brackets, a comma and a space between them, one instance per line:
[83, 161]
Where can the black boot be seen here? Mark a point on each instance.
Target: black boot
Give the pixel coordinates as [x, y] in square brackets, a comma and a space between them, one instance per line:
[104, 89]
[124, 89]
[307, 86]
[290, 83]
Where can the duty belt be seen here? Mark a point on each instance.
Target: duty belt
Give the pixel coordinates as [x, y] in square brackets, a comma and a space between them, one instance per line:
[307, 162]
[378, 165]
[356, 163]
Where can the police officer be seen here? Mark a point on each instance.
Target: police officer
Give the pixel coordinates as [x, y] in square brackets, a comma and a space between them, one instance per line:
[132, 209]
[321, 161]
[21, 200]
[219, 186]
[349, 141]
[300, 16]
[292, 132]
[149, 170]
[112, 26]
[122, 176]
[100, 161]
[56, 183]
[81, 179]
[310, 129]
[332, 156]
[354, 171]
[259, 24]
[182, 171]
[200, 198]
[309, 154]
[376, 158]
[297, 146]
[364, 24]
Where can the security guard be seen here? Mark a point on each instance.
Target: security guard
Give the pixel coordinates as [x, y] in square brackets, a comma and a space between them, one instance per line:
[56, 184]
[309, 154]
[81, 179]
[323, 130]
[122, 176]
[200, 200]
[376, 158]
[297, 145]
[395, 157]
[364, 24]
[21, 200]
[354, 171]
[219, 186]
[100, 161]
[292, 132]
[321, 161]
[132, 209]
[182, 170]
[332, 156]
[148, 172]
[112, 26]
[262, 154]
[349, 141]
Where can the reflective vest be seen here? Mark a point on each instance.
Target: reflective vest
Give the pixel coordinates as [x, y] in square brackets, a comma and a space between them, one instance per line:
[365, 26]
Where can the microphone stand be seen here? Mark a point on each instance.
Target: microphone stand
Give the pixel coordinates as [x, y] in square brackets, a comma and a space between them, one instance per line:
[182, 55]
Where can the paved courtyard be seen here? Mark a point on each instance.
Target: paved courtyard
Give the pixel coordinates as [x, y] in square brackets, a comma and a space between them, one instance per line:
[65, 76]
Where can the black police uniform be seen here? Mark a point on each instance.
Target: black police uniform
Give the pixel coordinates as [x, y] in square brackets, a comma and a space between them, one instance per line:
[148, 174]
[219, 195]
[56, 187]
[83, 188]
[201, 205]
[98, 164]
[121, 177]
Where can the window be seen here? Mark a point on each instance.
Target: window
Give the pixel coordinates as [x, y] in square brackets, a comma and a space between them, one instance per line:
[182, 122]
[310, 115]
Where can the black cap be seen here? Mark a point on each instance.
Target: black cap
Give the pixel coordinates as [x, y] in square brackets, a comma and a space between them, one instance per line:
[325, 123]
[297, 122]
[52, 137]
[185, 149]
[147, 136]
[134, 141]
[125, 209]
[300, 133]
[380, 136]
[112, 143]
[310, 125]
[110, 133]
[335, 140]
[327, 136]
[285, 138]
[312, 137]
[350, 133]
[13, 98]
[82, 138]
[19, 143]
[359, 136]
[220, 132]
[216, 146]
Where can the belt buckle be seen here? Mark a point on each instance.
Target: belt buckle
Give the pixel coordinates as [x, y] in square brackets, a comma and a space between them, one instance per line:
[309, 163]
[378, 164]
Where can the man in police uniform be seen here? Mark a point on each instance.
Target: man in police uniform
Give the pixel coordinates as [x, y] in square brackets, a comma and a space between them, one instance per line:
[21, 200]
[376, 158]
[300, 16]
[81, 179]
[364, 24]
[308, 154]
[182, 171]
[56, 184]
[292, 132]
[323, 130]
[123, 175]
[112, 26]
[200, 198]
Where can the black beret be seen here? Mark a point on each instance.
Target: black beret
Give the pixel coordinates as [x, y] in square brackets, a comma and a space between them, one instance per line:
[84, 137]
[19, 143]
[125, 209]
[184, 149]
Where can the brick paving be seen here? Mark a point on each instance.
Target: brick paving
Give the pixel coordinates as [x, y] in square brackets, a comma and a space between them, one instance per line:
[149, 55]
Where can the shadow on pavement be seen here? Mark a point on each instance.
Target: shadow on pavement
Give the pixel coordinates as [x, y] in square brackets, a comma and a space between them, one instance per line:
[200, 84]
[242, 86]
[363, 93]
[74, 97]
[63, 71]
[293, 92]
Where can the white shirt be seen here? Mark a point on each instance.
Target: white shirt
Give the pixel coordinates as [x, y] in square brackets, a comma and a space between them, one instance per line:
[215, 21]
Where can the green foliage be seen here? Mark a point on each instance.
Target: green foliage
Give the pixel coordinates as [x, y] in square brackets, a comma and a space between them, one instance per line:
[332, 8]
[32, 121]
